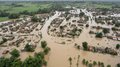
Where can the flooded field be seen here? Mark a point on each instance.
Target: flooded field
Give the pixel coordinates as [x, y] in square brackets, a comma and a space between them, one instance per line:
[59, 54]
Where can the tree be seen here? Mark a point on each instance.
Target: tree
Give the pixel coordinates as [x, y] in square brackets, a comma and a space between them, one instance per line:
[87, 25]
[46, 50]
[70, 59]
[99, 63]
[43, 44]
[80, 30]
[13, 16]
[83, 61]
[118, 65]
[117, 46]
[94, 62]
[113, 28]
[90, 65]
[15, 53]
[78, 46]
[108, 23]
[85, 44]
[81, 14]
[44, 62]
[105, 30]
[86, 62]
[99, 35]
[106, 49]
[113, 22]
[35, 19]
[61, 27]
[117, 24]
[32, 62]
[108, 65]
[98, 27]
[75, 44]
[4, 39]
[41, 54]
[28, 48]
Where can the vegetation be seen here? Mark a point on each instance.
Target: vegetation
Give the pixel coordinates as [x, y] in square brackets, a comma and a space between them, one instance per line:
[94, 63]
[70, 59]
[105, 30]
[118, 65]
[81, 14]
[46, 50]
[117, 46]
[43, 44]
[15, 53]
[108, 65]
[4, 40]
[78, 46]
[28, 48]
[90, 65]
[83, 61]
[35, 19]
[87, 25]
[13, 16]
[99, 35]
[75, 44]
[85, 44]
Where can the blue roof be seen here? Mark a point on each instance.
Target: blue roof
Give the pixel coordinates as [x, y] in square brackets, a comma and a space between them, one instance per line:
[1, 57]
[96, 32]
[77, 33]
[29, 43]
[103, 34]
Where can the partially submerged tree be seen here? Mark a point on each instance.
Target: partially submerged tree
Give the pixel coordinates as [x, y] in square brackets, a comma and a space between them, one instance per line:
[43, 44]
[15, 53]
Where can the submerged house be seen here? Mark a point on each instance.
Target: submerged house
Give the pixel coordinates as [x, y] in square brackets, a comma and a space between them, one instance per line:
[5, 51]
[11, 43]
[11, 38]
[102, 50]
[90, 48]
[109, 37]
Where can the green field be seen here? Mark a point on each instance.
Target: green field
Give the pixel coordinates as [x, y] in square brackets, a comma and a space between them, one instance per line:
[29, 7]
[4, 19]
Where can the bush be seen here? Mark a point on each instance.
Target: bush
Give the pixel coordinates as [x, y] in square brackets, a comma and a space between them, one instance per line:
[43, 44]
[15, 53]
[113, 28]
[118, 65]
[44, 62]
[28, 48]
[4, 39]
[108, 65]
[105, 30]
[87, 25]
[78, 46]
[117, 46]
[46, 50]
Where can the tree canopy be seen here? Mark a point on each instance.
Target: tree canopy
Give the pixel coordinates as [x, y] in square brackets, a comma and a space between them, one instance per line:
[15, 53]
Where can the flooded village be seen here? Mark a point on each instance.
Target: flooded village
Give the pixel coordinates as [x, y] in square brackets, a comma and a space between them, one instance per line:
[62, 30]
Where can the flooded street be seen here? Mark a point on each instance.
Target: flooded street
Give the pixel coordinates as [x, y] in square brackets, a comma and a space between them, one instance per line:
[59, 54]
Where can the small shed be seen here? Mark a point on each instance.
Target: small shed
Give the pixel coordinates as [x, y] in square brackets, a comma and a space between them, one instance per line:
[109, 37]
[11, 38]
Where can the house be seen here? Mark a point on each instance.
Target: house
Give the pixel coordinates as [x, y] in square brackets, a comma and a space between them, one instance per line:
[114, 38]
[11, 43]
[118, 39]
[11, 38]
[91, 32]
[5, 51]
[100, 50]
[80, 25]
[118, 35]
[109, 37]
[94, 27]
[90, 48]
[111, 51]
[73, 25]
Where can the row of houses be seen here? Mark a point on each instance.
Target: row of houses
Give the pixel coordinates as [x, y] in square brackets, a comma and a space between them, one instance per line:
[101, 50]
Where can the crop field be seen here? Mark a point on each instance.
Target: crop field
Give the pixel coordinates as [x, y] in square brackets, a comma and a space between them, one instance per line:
[29, 7]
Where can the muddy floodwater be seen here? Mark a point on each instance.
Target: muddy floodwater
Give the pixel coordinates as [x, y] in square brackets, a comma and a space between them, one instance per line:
[59, 54]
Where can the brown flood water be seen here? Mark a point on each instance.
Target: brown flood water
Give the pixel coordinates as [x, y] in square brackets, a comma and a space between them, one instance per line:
[59, 54]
